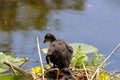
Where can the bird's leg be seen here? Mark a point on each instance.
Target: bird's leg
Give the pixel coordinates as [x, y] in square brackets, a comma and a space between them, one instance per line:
[57, 73]
[49, 62]
[48, 59]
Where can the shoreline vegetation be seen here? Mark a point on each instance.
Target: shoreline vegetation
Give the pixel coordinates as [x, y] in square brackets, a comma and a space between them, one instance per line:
[82, 67]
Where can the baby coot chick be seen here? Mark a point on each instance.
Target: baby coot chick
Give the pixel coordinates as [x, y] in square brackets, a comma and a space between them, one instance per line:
[59, 52]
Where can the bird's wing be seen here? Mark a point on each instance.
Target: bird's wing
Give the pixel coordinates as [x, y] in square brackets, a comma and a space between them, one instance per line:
[69, 48]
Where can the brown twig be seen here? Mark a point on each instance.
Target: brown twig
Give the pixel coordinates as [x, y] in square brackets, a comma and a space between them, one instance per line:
[16, 68]
[13, 69]
[26, 61]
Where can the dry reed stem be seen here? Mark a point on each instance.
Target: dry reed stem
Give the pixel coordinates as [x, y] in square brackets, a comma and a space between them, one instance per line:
[115, 49]
[86, 72]
[40, 57]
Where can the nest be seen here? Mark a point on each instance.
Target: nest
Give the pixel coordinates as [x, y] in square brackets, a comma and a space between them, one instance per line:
[80, 74]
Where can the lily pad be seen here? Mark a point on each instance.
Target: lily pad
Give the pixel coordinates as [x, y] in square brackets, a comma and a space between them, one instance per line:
[3, 70]
[12, 77]
[85, 48]
[15, 61]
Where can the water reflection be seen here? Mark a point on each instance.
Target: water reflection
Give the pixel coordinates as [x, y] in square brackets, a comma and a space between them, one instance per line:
[22, 20]
[19, 14]
[7, 14]
[5, 40]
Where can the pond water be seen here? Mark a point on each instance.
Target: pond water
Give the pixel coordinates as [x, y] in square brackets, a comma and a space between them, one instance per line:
[95, 22]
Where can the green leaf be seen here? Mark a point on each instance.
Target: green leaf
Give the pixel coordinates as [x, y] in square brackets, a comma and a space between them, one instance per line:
[85, 48]
[44, 50]
[78, 60]
[97, 59]
[15, 61]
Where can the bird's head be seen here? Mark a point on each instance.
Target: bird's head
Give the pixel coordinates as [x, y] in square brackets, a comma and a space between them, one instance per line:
[49, 38]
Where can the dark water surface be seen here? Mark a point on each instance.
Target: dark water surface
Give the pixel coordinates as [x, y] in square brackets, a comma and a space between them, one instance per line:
[95, 22]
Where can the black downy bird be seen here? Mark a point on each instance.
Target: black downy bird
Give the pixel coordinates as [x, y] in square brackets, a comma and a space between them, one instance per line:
[59, 52]
[60, 55]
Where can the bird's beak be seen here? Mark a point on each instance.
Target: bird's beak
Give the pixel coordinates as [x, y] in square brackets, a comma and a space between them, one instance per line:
[44, 41]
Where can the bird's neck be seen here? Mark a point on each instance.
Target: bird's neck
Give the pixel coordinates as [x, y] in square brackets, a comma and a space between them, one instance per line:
[53, 39]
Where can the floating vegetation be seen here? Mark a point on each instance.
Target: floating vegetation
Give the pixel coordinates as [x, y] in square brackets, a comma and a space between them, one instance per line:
[82, 66]
[15, 61]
